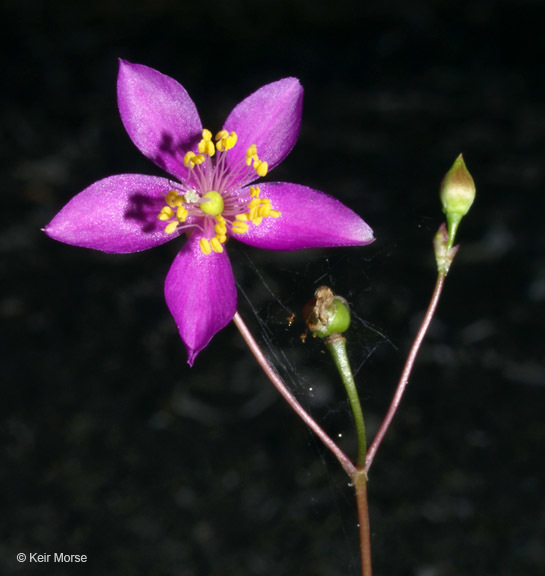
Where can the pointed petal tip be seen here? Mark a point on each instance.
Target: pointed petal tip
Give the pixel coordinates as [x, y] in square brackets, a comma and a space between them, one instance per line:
[369, 236]
[49, 230]
[291, 80]
[191, 355]
[289, 83]
[122, 63]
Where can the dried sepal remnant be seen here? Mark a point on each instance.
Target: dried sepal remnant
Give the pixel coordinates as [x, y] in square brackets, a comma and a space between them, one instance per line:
[327, 313]
[319, 313]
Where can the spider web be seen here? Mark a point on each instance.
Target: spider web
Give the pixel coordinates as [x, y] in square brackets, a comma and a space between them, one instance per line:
[281, 335]
[281, 327]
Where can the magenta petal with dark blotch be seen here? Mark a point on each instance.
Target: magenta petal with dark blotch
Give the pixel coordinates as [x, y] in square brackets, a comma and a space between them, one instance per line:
[159, 116]
[309, 219]
[201, 295]
[117, 214]
[270, 118]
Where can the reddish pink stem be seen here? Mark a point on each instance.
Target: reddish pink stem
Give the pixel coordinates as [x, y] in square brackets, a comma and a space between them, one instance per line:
[404, 379]
[345, 462]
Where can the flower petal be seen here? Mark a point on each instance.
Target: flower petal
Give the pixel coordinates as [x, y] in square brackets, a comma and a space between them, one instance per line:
[159, 116]
[309, 219]
[201, 295]
[269, 118]
[117, 214]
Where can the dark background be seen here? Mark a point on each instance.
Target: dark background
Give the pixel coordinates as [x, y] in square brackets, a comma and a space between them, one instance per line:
[114, 448]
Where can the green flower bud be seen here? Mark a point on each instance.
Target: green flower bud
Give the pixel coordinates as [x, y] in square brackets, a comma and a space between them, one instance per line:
[457, 193]
[457, 190]
[326, 313]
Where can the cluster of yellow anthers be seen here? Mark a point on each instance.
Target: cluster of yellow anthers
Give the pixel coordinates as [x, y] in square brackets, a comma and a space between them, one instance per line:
[258, 208]
[224, 142]
[216, 242]
[174, 207]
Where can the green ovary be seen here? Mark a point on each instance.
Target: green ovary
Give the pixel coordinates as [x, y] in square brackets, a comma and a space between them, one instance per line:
[213, 205]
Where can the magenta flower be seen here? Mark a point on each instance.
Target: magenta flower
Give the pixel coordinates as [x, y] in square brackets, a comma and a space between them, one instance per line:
[212, 198]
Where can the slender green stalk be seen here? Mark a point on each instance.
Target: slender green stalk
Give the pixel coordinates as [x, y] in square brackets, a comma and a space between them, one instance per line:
[336, 344]
[453, 221]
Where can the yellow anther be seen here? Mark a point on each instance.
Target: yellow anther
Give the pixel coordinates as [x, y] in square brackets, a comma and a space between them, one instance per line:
[261, 168]
[254, 191]
[181, 214]
[275, 214]
[207, 147]
[222, 238]
[166, 213]
[205, 246]
[252, 151]
[240, 227]
[188, 159]
[257, 221]
[219, 218]
[173, 199]
[264, 210]
[216, 245]
[231, 141]
[242, 217]
[170, 228]
[251, 155]
[225, 141]
[220, 228]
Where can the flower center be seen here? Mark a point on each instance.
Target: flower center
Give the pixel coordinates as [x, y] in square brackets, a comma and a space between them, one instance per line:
[209, 199]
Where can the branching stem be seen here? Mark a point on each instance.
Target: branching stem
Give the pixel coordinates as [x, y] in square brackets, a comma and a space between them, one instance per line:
[404, 379]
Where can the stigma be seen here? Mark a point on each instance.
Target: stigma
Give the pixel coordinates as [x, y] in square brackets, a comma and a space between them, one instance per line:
[209, 199]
